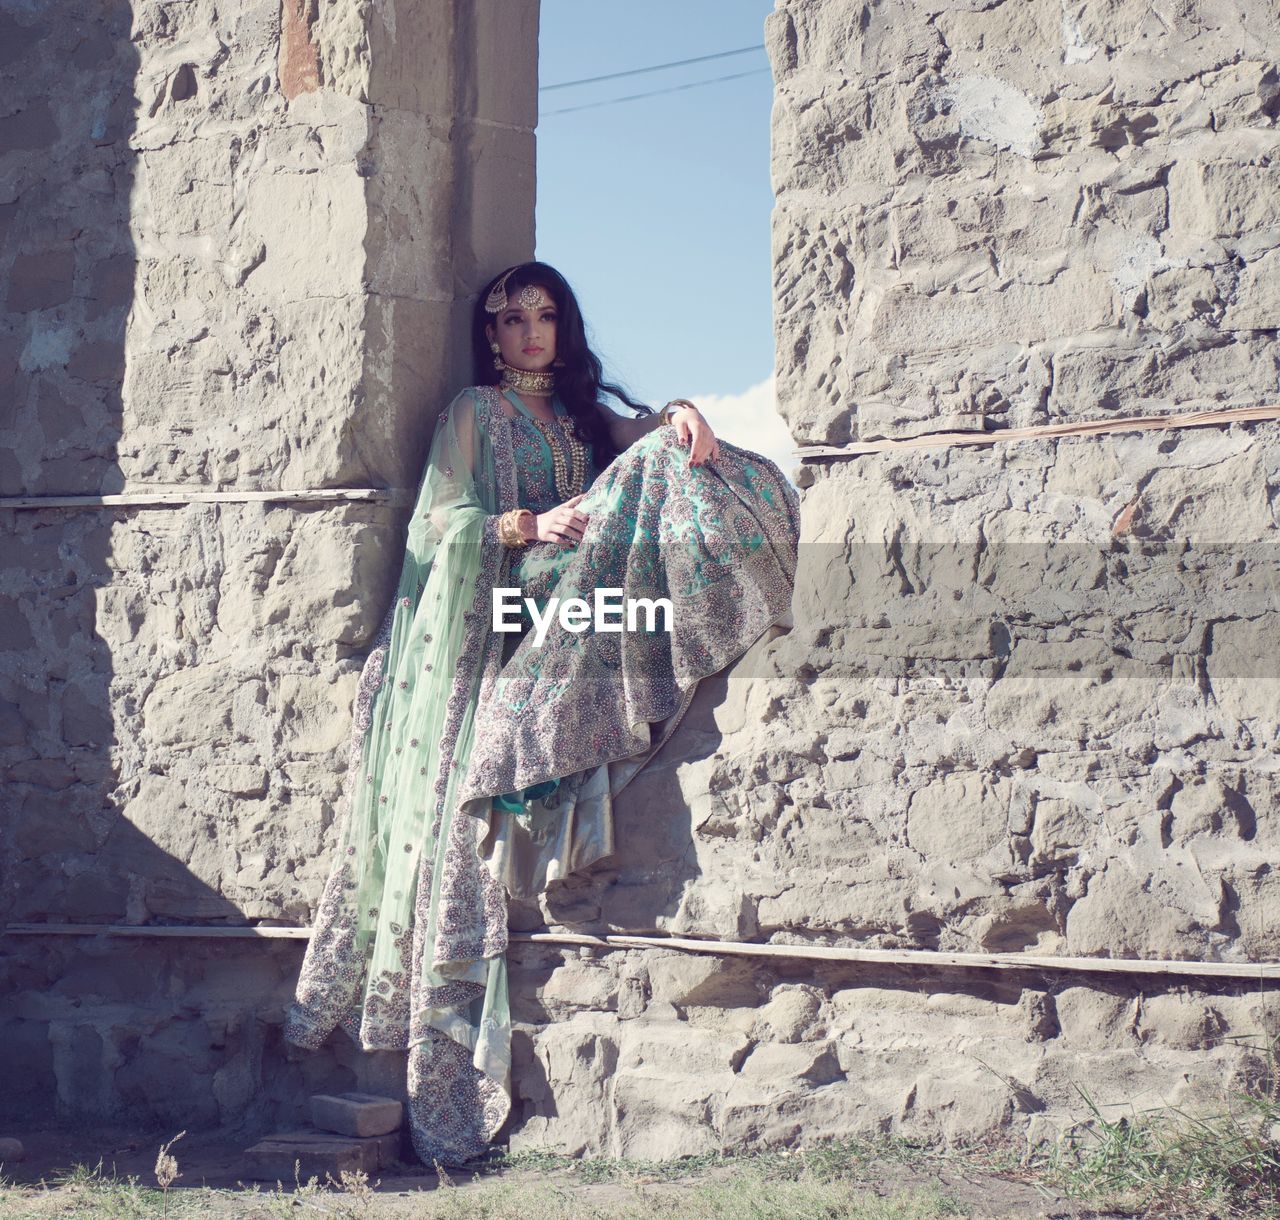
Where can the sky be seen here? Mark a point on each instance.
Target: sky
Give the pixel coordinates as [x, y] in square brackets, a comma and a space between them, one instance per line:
[657, 210]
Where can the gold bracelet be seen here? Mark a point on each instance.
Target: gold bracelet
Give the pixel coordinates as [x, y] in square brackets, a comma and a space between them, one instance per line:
[509, 528]
[679, 404]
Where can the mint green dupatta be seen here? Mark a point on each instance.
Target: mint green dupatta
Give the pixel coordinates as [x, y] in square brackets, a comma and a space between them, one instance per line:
[407, 948]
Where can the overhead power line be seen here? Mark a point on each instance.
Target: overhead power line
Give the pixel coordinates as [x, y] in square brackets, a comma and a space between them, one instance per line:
[675, 63]
[632, 97]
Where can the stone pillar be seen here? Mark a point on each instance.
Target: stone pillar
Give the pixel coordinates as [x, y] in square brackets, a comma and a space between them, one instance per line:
[241, 245]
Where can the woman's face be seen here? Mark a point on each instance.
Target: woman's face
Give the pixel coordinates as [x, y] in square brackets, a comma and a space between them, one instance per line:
[526, 333]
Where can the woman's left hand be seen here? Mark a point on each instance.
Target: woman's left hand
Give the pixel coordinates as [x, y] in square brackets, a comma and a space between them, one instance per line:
[694, 431]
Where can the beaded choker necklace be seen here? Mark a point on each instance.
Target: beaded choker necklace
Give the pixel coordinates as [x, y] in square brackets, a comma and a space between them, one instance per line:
[525, 382]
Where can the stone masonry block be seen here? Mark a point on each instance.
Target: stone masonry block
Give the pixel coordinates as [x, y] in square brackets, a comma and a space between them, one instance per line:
[317, 1154]
[356, 1114]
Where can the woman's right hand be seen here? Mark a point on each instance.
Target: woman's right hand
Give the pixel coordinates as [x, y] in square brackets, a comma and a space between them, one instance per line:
[562, 524]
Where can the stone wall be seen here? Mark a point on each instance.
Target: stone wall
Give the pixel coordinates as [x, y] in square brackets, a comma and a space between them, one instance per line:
[239, 253]
[994, 214]
[1027, 704]
[1039, 678]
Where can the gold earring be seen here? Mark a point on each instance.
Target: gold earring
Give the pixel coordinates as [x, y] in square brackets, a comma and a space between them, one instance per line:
[493, 347]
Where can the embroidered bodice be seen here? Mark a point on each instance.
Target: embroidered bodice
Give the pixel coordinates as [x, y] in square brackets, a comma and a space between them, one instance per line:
[535, 472]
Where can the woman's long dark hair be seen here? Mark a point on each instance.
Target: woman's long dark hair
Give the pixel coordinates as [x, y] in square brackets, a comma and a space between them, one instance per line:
[581, 381]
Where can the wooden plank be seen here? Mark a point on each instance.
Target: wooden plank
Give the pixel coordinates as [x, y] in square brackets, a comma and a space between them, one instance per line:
[175, 932]
[180, 497]
[1096, 427]
[918, 957]
[915, 958]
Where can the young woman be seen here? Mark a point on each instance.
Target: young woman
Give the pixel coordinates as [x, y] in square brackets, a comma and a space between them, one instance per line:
[483, 762]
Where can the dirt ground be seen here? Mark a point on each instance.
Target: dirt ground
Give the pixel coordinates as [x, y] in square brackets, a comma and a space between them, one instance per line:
[109, 1172]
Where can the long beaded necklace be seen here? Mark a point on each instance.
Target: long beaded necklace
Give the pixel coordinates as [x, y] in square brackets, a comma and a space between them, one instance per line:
[569, 470]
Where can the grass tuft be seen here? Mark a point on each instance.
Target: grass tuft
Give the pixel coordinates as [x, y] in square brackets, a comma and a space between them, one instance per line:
[1168, 1162]
[825, 1161]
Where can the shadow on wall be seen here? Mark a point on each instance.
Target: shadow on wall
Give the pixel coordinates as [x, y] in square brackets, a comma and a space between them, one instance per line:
[67, 265]
[68, 274]
[646, 884]
[103, 1026]
[67, 261]
[162, 1036]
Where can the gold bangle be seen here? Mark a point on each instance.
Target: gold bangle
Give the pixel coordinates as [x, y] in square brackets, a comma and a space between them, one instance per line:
[509, 528]
[676, 404]
[516, 517]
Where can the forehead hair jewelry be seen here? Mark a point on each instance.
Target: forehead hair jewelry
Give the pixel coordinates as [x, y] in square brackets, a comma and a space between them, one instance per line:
[496, 301]
[532, 297]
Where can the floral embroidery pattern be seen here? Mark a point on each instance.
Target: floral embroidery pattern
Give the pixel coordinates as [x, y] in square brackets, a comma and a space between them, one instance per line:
[729, 573]
[533, 459]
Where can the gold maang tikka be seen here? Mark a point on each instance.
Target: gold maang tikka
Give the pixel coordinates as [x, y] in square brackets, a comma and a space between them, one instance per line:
[531, 296]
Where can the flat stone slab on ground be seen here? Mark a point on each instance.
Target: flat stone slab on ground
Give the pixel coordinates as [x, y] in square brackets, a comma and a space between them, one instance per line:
[357, 1114]
[317, 1154]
